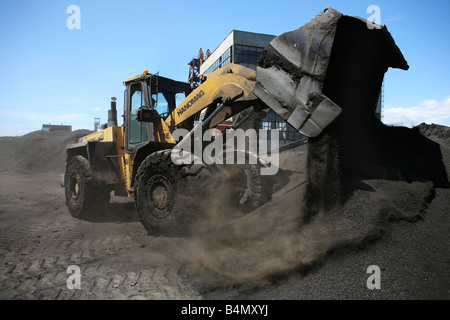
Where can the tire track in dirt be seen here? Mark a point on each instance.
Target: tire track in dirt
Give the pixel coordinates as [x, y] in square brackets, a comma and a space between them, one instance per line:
[39, 240]
[47, 279]
[25, 274]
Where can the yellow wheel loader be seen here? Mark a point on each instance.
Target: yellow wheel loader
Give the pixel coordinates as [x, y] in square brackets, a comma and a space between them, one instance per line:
[136, 160]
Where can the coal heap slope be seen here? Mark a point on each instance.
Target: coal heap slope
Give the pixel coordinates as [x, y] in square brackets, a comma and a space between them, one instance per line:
[440, 134]
[37, 152]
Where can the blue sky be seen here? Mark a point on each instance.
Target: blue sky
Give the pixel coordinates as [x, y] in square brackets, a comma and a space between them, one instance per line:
[51, 74]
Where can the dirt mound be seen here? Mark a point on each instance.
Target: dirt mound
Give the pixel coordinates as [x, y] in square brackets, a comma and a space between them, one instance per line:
[274, 239]
[436, 132]
[324, 258]
[38, 151]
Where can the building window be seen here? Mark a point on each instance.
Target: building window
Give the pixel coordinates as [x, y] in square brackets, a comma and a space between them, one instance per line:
[287, 132]
[247, 55]
[219, 63]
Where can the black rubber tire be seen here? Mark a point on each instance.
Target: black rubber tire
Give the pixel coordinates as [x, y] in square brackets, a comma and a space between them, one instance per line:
[193, 197]
[85, 197]
[240, 189]
[157, 191]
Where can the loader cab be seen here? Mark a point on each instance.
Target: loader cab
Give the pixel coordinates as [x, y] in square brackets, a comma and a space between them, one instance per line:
[158, 97]
[137, 132]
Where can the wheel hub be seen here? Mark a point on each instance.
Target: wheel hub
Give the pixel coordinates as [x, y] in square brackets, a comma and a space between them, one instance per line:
[74, 187]
[160, 194]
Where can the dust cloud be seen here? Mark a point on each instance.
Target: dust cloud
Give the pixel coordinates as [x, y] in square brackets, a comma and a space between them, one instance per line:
[274, 240]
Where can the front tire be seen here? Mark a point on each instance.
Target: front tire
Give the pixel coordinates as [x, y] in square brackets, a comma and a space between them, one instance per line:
[174, 200]
[157, 192]
[84, 196]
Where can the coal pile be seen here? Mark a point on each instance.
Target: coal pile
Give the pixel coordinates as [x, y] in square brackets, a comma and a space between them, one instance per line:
[276, 239]
[436, 132]
[37, 152]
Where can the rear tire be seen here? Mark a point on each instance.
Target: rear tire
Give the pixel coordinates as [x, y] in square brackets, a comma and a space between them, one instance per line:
[84, 196]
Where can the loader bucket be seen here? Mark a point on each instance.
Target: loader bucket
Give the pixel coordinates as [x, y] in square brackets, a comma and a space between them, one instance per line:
[293, 74]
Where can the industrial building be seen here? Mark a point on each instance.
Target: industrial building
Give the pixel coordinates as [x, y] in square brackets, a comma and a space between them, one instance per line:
[239, 46]
[52, 127]
[245, 48]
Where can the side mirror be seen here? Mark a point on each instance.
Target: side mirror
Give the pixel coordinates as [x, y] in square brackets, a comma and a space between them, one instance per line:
[146, 115]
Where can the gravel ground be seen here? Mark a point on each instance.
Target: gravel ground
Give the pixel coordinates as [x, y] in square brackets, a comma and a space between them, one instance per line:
[266, 255]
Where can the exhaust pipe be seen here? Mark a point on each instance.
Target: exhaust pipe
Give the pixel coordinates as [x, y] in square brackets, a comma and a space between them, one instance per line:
[112, 113]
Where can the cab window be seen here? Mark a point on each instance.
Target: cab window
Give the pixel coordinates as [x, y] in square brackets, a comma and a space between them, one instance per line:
[138, 131]
[161, 104]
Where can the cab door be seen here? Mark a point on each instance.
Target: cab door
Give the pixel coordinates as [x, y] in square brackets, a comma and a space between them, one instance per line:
[137, 133]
